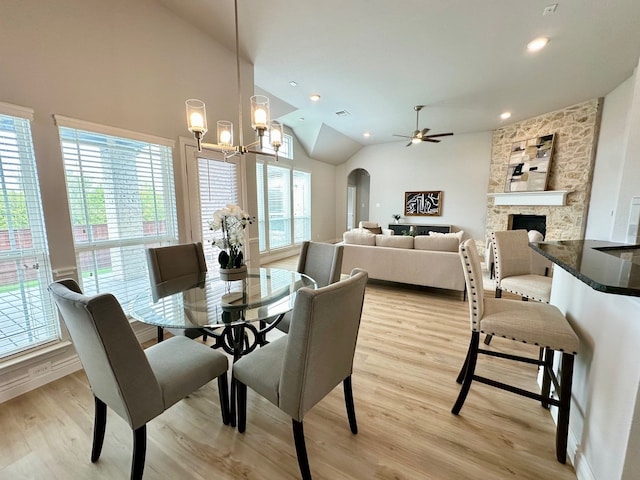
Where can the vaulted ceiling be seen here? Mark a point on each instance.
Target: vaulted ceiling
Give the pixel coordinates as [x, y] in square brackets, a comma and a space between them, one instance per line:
[465, 60]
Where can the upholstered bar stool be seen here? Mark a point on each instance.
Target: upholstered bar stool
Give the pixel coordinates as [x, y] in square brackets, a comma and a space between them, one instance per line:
[535, 323]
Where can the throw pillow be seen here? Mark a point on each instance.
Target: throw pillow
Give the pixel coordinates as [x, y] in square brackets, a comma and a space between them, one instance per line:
[457, 235]
[376, 230]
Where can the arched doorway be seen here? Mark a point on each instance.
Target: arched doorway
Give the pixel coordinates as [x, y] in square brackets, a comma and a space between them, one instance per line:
[358, 187]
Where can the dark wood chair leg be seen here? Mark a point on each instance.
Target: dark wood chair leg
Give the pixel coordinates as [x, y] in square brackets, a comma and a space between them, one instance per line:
[241, 390]
[547, 358]
[470, 370]
[498, 292]
[348, 400]
[160, 334]
[301, 450]
[562, 432]
[223, 393]
[139, 452]
[463, 370]
[99, 424]
[487, 339]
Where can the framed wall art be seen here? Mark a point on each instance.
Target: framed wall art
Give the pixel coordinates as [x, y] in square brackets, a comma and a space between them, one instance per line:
[529, 161]
[423, 203]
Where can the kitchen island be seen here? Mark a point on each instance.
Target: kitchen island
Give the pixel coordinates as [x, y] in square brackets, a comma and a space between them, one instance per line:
[596, 284]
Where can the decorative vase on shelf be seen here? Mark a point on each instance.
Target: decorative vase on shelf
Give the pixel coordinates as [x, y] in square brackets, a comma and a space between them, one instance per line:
[232, 274]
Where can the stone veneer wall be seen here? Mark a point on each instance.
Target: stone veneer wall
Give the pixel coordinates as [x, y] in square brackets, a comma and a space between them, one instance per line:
[576, 129]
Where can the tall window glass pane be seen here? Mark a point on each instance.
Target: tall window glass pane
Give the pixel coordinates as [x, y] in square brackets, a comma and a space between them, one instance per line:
[279, 199]
[261, 210]
[121, 200]
[27, 315]
[301, 206]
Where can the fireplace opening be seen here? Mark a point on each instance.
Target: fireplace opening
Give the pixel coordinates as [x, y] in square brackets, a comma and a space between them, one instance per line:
[528, 222]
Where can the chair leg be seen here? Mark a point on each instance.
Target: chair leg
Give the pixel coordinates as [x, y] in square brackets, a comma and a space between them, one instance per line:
[241, 390]
[139, 452]
[546, 375]
[348, 400]
[301, 450]
[223, 393]
[562, 432]
[99, 424]
[498, 292]
[463, 370]
[470, 370]
[487, 339]
[160, 334]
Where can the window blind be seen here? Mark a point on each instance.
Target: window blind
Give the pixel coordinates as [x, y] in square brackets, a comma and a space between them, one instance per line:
[28, 317]
[219, 185]
[301, 206]
[279, 206]
[121, 201]
[262, 237]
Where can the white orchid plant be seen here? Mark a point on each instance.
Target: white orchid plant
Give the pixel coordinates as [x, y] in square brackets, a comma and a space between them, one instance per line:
[230, 222]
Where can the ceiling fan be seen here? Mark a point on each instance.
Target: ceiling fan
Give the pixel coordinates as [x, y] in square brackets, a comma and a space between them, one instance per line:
[421, 135]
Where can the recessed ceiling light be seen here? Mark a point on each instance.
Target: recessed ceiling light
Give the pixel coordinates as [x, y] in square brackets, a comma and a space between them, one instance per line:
[366, 134]
[293, 84]
[537, 44]
[505, 115]
[314, 97]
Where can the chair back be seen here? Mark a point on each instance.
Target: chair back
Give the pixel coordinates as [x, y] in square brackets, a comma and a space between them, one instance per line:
[473, 278]
[114, 362]
[173, 261]
[321, 342]
[512, 253]
[321, 261]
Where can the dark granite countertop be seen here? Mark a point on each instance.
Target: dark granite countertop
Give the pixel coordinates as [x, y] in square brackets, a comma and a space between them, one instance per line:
[605, 266]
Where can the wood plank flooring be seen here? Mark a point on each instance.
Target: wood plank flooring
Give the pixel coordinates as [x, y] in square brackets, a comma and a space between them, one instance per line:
[412, 343]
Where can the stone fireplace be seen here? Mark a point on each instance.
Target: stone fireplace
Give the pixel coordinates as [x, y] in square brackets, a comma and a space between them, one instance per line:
[528, 222]
[571, 169]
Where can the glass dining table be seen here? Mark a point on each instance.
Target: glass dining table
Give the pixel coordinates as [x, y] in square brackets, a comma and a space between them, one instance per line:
[237, 315]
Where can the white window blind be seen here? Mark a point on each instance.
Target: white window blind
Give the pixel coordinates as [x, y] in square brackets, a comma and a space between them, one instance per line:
[121, 200]
[301, 206]
[219, 185]
[262, 236]
[28, 317]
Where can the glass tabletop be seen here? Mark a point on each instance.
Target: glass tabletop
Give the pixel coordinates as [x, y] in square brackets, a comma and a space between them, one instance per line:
[201, 301]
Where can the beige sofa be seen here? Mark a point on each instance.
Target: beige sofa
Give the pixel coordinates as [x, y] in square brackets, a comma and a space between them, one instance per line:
[426, 260]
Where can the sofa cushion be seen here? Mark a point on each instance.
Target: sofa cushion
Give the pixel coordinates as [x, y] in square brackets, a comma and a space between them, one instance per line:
[359, 238]
[365, 224]
[440, 243]
[395, 241]
[374, 230]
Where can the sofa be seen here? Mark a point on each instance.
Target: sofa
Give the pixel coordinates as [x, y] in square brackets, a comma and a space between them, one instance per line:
[426, 260]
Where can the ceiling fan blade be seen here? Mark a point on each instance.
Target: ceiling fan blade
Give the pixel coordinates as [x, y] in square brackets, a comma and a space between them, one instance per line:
[403, 136]
[424, 131]
[430, 140]
[438, 135]
[409, 144]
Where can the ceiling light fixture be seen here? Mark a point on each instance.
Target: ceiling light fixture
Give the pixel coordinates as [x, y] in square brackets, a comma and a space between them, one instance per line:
[314, 97]
[260, 121]
[366, 134]
[537, 44]
[505, 115]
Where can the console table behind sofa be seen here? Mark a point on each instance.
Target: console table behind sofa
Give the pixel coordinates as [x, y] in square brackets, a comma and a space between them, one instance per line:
[421, 229]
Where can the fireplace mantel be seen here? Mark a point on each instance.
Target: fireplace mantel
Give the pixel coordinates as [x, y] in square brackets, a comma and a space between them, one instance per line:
[547, 197]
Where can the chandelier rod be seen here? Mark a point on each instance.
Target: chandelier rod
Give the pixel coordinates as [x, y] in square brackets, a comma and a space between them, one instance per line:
[235, 4]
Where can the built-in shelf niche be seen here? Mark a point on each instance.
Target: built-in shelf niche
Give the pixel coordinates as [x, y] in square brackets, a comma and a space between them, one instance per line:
[547, 197]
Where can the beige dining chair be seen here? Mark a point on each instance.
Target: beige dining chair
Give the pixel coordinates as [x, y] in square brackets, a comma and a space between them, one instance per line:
[136, 384]
[534, 323]
[172, 262]
[320, 261]
[297, 370]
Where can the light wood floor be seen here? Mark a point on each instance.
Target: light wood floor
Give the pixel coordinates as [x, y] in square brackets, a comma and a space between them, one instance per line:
[411, 345]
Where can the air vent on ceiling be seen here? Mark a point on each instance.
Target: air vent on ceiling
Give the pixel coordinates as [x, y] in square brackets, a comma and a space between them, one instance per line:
[342, 113]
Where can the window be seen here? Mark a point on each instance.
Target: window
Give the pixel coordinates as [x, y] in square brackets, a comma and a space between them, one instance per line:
[284, 206]
[219, 185]
[28, 317]
[121, 200]
[285, 150]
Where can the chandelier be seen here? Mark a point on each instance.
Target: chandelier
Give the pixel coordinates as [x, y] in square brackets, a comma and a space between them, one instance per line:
[260, 120]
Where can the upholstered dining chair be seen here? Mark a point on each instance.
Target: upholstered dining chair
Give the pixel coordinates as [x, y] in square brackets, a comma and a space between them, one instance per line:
[322, 262]
[297, 370]
[171, 262]
[136, 384]
[535, 323]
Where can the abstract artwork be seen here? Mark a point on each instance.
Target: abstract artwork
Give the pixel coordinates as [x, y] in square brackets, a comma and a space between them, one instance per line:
[423, 203]
[529, 160]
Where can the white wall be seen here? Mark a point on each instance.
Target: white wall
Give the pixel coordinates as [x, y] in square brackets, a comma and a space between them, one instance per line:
[607, 172]
[459, 166]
